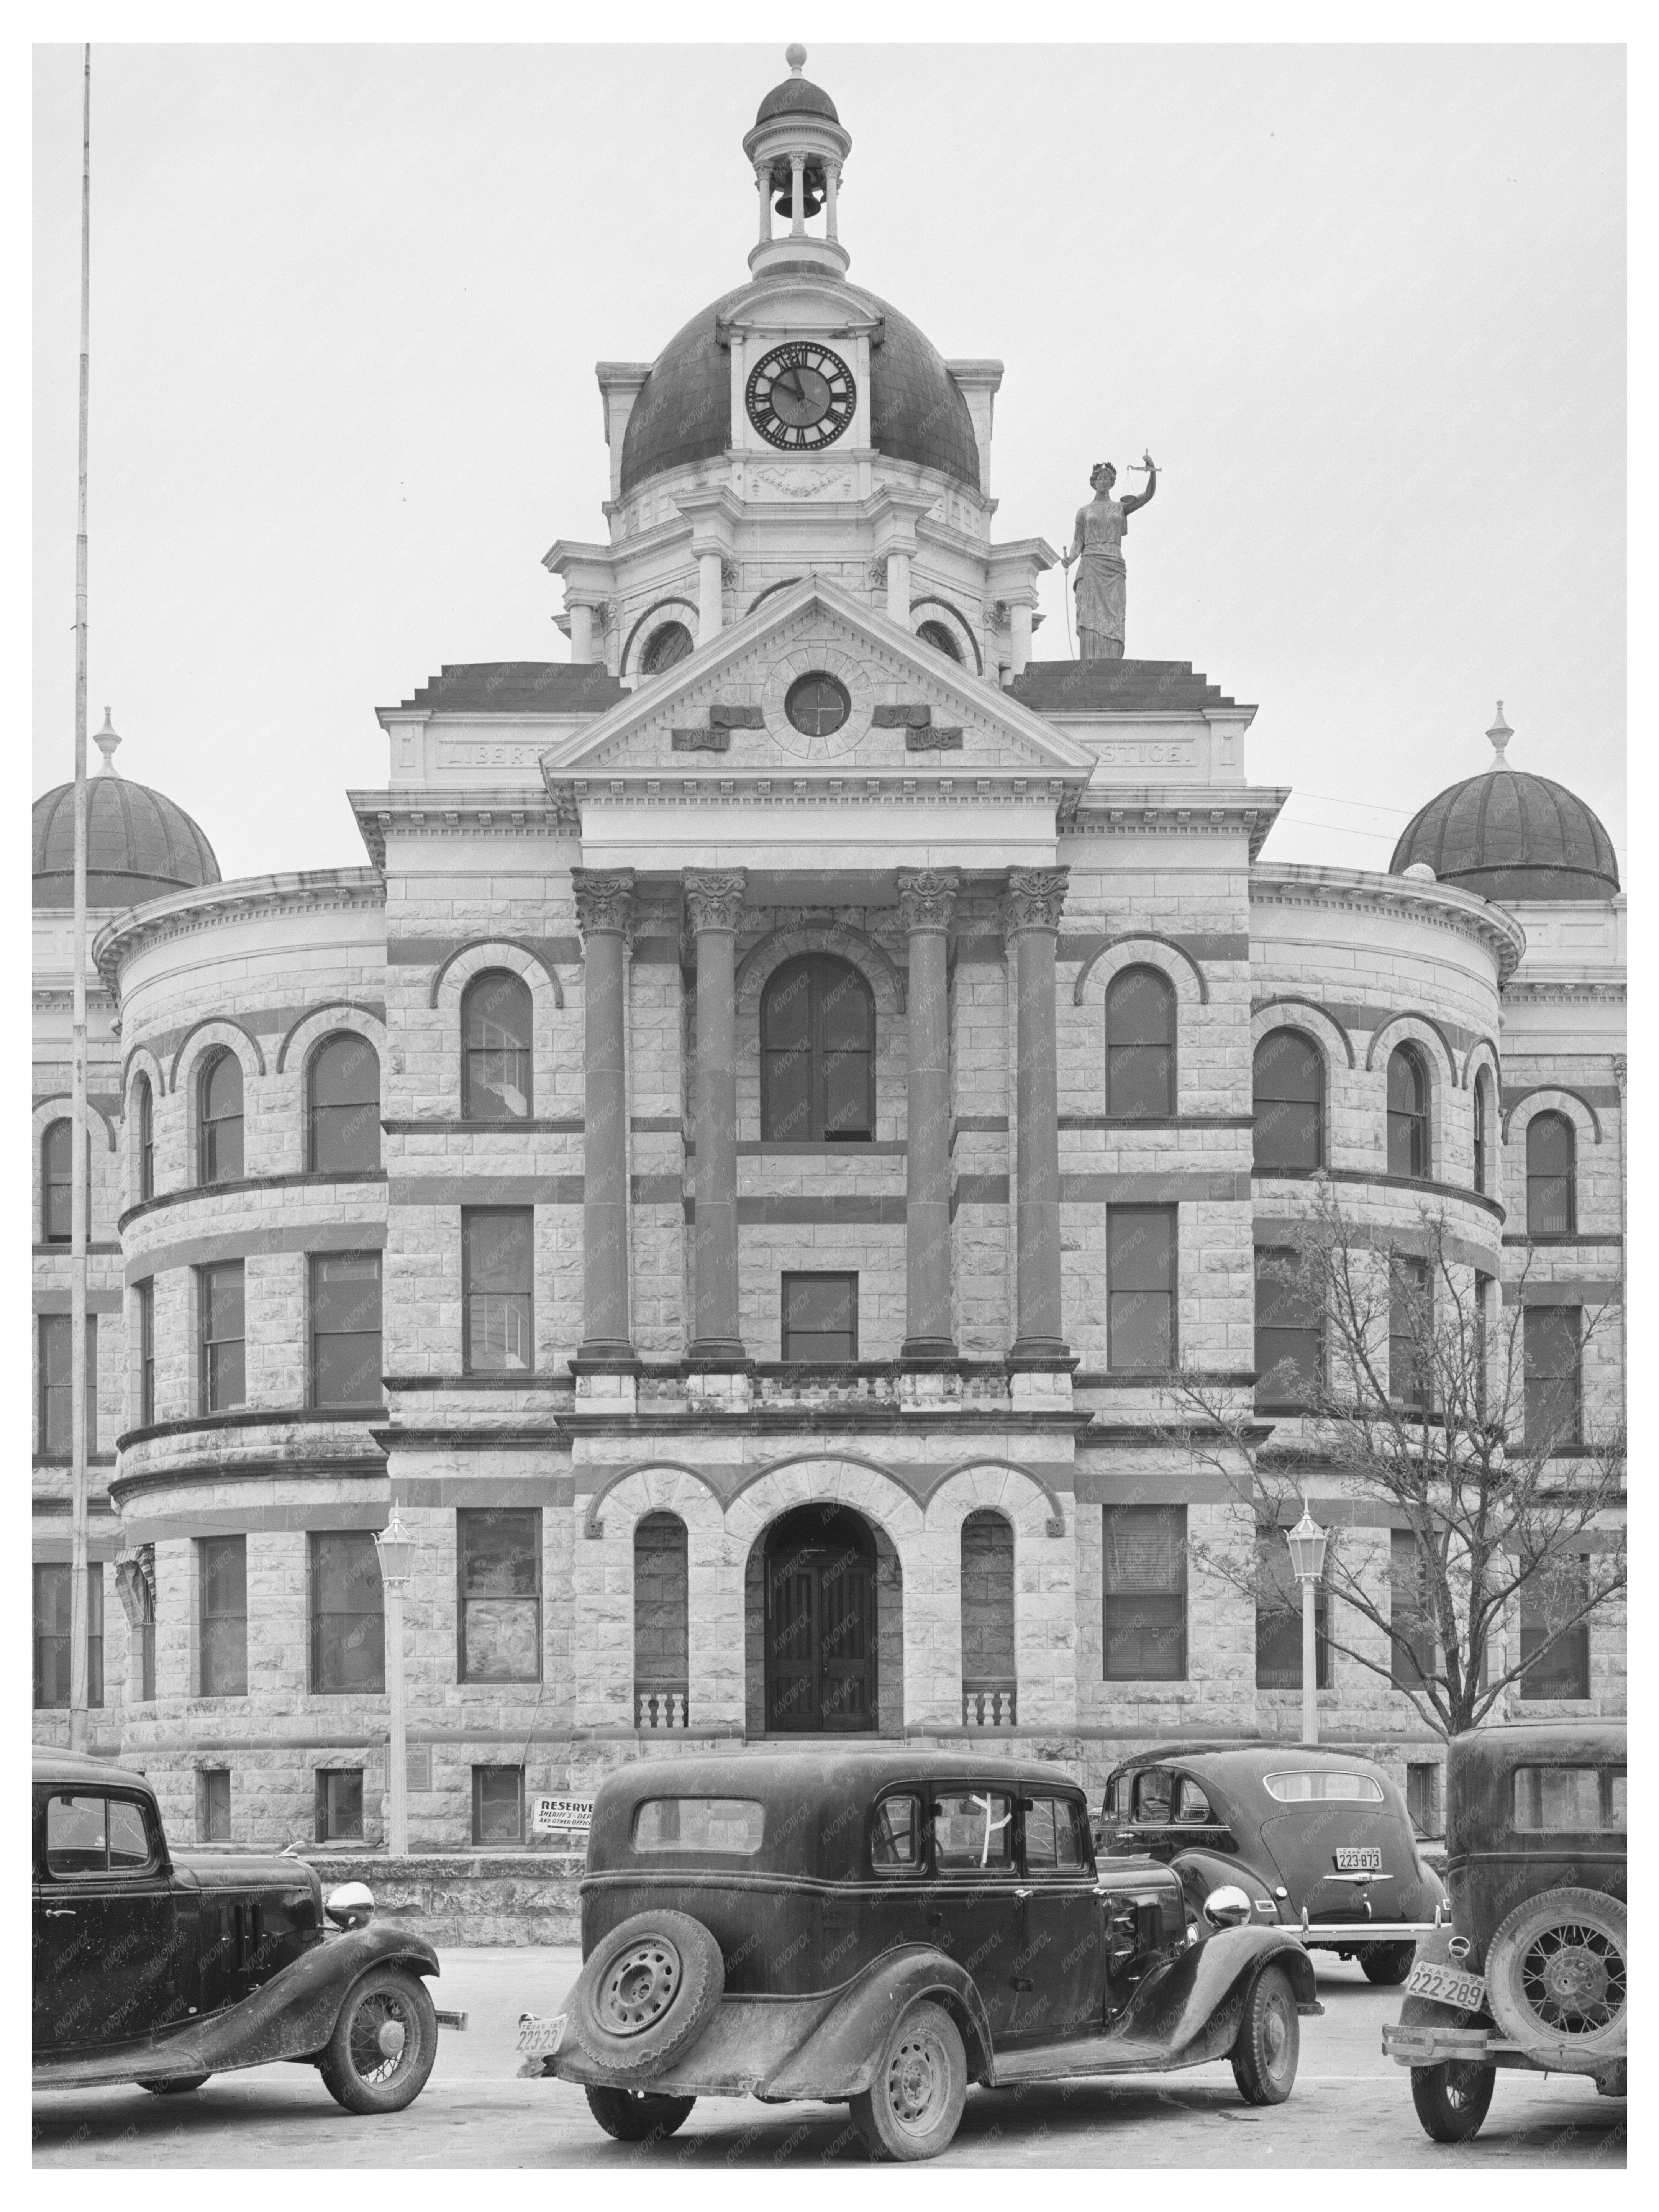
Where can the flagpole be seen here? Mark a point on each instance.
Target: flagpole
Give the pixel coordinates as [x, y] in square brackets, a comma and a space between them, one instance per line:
[79, 1194]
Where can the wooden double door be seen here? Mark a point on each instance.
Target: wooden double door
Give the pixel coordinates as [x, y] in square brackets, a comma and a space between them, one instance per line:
[820, 1623]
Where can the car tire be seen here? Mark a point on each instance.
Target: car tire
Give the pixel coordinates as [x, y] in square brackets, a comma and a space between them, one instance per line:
[913, 2107]
[1269, 2040]
[175, 2085]
[646, 1991]
[1558, 1979]
[1388, 1963]
[1452, 2100]
[636, 2116]
[384, 2043]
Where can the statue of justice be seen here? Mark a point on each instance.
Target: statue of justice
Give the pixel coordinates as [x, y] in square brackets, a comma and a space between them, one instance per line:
[1097, 546]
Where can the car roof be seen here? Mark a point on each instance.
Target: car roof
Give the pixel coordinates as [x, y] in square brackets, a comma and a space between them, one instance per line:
[1252, 1757]
[48, 1763]
[792, 1776]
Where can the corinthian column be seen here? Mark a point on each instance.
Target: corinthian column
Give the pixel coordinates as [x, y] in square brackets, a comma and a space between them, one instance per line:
[714, 901]
[604, 902]
[926, 901]
[1034, 898]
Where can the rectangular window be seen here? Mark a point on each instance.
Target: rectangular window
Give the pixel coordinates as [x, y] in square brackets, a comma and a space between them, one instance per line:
[498, 1804]
[499, 1555]
[1290, 1343]
[1054, 1847]
[1411, 1612]
[1279, 1619]
[1480, 1343]
[895, 1835]
[52, 1634]
[1554, 1647]
[348, 1617]
[144, 1298]
[339, 1804]
[213, 1804]
[1140, 1285]
[222, 1565]
[1144, 1582]
[143, 1637]
[221, 1292]
[700, 1824]
[57, 1387]
[821, 1317]
[1423, 1797]
[1553, 1342]
[974, 1833]
[345, 1328]
[1410, 1323]
[498, 1245]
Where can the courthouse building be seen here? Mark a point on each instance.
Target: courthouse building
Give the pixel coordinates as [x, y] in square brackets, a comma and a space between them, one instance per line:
[736, 1164]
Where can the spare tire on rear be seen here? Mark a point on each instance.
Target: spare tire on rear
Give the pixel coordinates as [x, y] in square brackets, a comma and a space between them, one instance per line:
[1558, 1980]
[645, 1992]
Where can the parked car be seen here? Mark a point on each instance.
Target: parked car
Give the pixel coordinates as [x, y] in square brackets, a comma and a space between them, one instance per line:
[881, 1929]
[163, 1969]
[1318, 1839]
[1533, 1970]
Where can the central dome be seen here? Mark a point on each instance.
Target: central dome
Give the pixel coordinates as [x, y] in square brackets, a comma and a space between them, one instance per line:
[140, 844]
[684, 412]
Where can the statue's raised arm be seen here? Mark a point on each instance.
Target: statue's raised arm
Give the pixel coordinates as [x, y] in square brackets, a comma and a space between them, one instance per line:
[1140, 498]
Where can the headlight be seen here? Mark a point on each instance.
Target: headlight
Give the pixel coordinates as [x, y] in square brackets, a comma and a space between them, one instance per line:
[350, 1905]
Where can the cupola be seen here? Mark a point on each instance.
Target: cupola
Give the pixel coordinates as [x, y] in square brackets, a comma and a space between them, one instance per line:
[799, 149]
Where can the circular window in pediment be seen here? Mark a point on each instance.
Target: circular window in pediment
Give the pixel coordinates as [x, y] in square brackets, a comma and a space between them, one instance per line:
[817, 705]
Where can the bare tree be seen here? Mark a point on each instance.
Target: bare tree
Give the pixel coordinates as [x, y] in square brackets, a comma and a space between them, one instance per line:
[1402, 1376]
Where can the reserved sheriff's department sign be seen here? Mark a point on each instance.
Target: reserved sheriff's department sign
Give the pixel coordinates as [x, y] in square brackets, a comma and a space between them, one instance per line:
[564, 1814]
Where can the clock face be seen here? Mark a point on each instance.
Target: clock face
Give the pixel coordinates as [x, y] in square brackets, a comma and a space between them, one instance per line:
[801, 397]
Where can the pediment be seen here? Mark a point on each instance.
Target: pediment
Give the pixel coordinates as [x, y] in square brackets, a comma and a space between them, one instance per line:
[719, 714]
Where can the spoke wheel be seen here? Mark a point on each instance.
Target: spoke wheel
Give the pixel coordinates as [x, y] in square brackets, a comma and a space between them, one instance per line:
[384, 2043]
[913, 2107]
[1269, 2040]
[636, 2116]
[1452, 2100]
[1557, 1978]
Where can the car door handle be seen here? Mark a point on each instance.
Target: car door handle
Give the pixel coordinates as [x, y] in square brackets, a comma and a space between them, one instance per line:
[1022, 1892]
[60, 1912]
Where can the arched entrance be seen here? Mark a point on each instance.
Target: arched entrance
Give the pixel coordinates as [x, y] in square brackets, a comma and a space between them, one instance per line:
[819, 1625]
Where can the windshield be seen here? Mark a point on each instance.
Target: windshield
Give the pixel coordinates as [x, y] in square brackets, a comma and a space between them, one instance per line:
[1314, 1785]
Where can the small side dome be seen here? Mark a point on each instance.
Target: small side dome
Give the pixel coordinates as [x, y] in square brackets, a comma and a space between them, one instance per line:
[1510, 836]
[794, 96]
[140, 845]
[1420, 872]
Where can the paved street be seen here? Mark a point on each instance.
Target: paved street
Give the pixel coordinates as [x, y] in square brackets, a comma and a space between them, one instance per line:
[1350, 2108]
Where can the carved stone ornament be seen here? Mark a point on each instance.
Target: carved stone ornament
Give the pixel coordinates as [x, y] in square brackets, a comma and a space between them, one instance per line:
[604, 899]
[934, 738]
[736, 718]
[717, 739]
[905, 715]
[927, 897]
[1035, 896]
[714, 898]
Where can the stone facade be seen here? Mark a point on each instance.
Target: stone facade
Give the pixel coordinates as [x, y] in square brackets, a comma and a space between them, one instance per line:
[986, 843]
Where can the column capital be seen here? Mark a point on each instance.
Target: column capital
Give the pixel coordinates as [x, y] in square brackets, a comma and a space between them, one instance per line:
[714, 898]
[1034, 898]
[927, 897]
[604, 900]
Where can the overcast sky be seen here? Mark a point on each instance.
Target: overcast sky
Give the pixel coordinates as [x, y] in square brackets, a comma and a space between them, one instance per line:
[1365, 305]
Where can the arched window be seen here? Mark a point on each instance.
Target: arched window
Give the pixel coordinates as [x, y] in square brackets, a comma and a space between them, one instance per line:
[344, 1106]
[219, 1119]
[1483, 1133]
[987, 1621]
[58, 1182]
[1288, 1102]
[817, 1054]
[936, 634]
[495, 1023]
[1408, 1114]
[1550, 1161]
[1140, 1034]
[670, 643]
[660, 1584]
[143, 1100]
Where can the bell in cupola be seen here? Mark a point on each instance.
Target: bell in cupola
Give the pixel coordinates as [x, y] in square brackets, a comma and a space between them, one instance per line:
[814, 186]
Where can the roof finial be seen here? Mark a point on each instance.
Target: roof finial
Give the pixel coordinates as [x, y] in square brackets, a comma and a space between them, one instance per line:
[796, 57]
[106, 740]
[1500, 733]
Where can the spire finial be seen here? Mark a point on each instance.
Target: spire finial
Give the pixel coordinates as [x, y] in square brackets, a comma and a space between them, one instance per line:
[106, 740]
[796, 57]
[1500, 733]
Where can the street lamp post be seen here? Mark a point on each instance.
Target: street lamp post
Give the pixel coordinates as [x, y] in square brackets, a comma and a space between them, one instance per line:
[1307, 1541]
[396, 1547]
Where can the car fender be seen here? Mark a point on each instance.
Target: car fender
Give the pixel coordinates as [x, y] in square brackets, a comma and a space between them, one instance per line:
[840, 2057]
[1435, 1950]
[1201, 1871]
[290, 2016]
[1193, 2010]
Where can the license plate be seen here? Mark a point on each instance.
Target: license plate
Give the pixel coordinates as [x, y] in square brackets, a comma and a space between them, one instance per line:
[540, 2038]
[1360, 1858]
[1447, 1986]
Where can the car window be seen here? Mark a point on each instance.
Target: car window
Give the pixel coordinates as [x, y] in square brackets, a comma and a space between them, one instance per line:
[1109, 1809]
[699, 1824]
[1152, 1795]
[974, 1833]
[1581, 1798]
[1614, 1814]
[1309, 1785]
[129, 1844]
[93, 1834]
[1191, 1803]
[895, 1835]
[1053, 1843]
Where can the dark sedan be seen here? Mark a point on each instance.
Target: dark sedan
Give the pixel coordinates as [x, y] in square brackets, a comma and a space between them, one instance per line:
[1315, 1838]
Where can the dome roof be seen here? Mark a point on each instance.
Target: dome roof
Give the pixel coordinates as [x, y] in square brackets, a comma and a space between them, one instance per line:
[684, 412]
[1511, 837]
[139, 844]
[795, 96]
